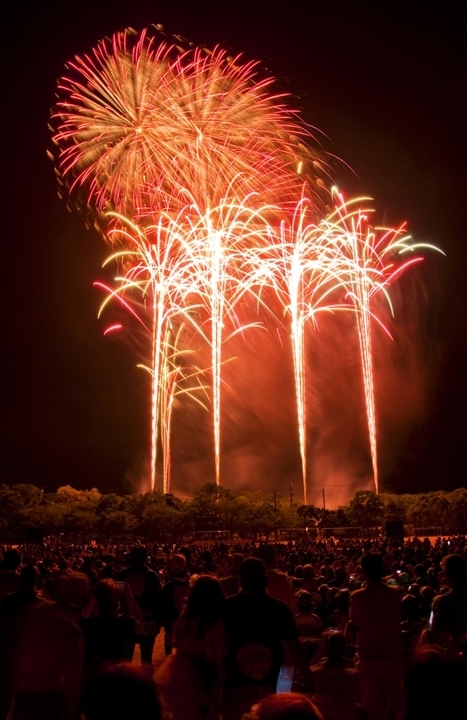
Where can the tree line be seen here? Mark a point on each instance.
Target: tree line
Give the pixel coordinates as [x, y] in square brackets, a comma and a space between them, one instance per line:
[27, 512]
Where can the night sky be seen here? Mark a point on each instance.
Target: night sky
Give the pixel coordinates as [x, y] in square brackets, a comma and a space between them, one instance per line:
[385, 82]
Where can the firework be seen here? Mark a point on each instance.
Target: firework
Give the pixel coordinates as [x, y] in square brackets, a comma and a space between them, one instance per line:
[155, 272]
[177, 269]
[138, 124]
[204, 182]
[369, 259]
[219, 245]
[300, 265]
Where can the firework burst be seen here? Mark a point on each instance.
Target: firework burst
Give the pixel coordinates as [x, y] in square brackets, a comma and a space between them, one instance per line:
[138, 124]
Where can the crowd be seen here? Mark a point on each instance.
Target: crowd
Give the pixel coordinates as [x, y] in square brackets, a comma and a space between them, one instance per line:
[326, 629]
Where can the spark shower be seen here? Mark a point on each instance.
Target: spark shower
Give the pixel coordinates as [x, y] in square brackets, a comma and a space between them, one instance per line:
[212, 193]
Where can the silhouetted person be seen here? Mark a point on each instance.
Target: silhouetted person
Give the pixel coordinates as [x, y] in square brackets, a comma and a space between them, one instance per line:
[146, 590]
[47, 664]
[336, 685]
[9, 572]
[450, 609]
[375, 614]
[189, 680]
[257, 626]
[287, 706]
[173, 597]
[11, 612]
[120, 692]
[109, 635]
[435, 689]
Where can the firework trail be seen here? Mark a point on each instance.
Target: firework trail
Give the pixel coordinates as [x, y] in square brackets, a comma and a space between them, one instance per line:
[156, 271]
[219, 243]
[300, 265]
[177, 378]
[369, 259]
[178, 268]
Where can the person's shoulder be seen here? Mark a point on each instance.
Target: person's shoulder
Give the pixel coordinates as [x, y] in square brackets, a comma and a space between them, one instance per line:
[234, 600]
[391, 591]
[152, 575]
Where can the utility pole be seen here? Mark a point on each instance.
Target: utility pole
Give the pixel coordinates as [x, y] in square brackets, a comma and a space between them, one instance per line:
[324, 500]
[275, 501]
[291, 496]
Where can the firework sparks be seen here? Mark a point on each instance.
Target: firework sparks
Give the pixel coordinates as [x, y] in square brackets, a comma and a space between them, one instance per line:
[156, 273]
[370, 260]
[139, 124]
[204, 182]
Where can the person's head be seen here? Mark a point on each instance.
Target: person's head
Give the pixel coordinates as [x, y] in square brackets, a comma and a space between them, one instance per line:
[454, 567]
[28, 577]
[342, 600]
[177, 566]
[106, 596]
[79, 588]
[304, 601]
[11, 559]
[308, 571]
[207, 557]
[410, 608]
[253, 576]
[138, 555]
[120, 692]
[186, 552]
[435, 687]
[372, 566]
[206, 599]
[286, 706]
[335, 645]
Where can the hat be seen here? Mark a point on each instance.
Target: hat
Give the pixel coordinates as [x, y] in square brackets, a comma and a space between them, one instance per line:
[177, 566]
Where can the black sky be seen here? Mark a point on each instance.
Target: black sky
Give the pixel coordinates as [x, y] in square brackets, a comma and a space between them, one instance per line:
[384, 81]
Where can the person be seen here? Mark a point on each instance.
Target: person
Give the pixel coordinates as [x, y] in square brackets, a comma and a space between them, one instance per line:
[196, 665]
[145, 587]
[257, 625]
[435, 686]
[336, 686]
[120, 692]
[9, 572]
[11, 612]
[109, 635]
[223, 561]
[279, 583]
[309, 580]
[309, 624]
[173, 597]
[287, 706]
[450, 609]
[47, 664]
[375, 615]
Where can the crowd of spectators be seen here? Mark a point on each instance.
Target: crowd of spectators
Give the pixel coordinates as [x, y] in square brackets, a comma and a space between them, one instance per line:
[331, 629]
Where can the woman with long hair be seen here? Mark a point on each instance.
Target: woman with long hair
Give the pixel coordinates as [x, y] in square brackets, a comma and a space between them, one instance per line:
[190, 679]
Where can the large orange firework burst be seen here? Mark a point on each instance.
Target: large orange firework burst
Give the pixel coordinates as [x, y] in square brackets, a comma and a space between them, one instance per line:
[138, 124]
